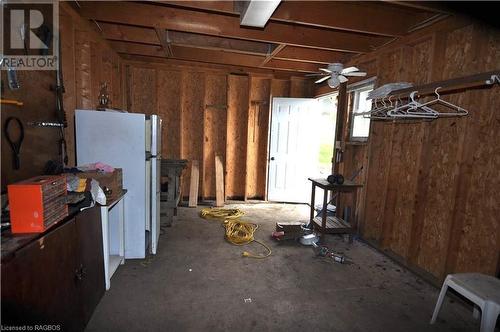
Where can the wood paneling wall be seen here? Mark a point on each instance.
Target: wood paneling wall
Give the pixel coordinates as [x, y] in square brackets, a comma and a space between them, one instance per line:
[87, 61]
[430, 196]
[208, 112]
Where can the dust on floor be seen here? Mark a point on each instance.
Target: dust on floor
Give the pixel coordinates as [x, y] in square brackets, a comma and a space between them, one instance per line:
[200, 282]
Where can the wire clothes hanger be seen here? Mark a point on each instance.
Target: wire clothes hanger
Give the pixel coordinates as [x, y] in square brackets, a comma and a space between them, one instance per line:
[457, 110]
[413, 110]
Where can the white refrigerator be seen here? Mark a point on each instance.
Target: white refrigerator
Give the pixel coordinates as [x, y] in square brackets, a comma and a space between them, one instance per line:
[132, 142]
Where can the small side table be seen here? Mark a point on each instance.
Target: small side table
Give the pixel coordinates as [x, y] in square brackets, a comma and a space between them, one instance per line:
[333, 224]
[113, 236]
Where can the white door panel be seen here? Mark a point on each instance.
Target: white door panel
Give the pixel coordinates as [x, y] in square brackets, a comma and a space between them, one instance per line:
[294, 148]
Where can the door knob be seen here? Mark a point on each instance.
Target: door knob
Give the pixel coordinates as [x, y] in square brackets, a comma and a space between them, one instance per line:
[272, 158]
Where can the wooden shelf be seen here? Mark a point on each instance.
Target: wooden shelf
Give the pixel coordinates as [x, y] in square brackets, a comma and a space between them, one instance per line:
[114, 262]
[333, 225]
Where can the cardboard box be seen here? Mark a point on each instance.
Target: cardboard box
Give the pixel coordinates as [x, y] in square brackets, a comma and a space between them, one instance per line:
[112, 181]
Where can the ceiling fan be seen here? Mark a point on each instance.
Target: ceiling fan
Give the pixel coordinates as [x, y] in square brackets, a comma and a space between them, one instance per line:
[335, 74]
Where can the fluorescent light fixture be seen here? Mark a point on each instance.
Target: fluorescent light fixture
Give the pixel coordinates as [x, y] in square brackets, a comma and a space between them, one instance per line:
[256, 13]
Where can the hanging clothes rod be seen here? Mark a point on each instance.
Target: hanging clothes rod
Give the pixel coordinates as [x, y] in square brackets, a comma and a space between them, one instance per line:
[451, 85]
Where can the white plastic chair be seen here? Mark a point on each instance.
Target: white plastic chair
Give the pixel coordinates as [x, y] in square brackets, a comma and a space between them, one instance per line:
[482, 290]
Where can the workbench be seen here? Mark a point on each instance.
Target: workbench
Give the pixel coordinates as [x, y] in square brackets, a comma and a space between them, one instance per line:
[334, 224]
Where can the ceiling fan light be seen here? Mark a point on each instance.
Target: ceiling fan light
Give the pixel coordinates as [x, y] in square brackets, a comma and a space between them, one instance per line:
[333, 82]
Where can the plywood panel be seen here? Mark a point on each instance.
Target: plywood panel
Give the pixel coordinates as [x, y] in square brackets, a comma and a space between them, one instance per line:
[258, 127]
[280, 88]
[82, 70]
[237, 115]
[116, 82]
[215, 117]
[447, 136]
[168, 88]
[377, 177]
[479, 250]
[301, 88]
[192, 106]
[430, 184]
[477, 204]
[143, 90]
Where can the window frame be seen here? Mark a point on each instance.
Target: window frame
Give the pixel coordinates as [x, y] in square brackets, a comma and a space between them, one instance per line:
[354, 90]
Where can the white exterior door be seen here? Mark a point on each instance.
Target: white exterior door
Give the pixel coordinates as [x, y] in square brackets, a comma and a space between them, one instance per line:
[293, 149]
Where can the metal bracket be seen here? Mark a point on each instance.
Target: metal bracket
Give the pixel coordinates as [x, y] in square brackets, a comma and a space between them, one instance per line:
[494, 79]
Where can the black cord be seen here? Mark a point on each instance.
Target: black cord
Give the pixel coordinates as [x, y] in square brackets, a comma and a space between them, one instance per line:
[14, 145]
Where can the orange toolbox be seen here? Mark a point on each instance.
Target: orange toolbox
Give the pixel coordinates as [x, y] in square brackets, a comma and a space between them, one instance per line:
[37, 203]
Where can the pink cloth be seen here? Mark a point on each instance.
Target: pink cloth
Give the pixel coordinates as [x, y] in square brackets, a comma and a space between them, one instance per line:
[97, 166]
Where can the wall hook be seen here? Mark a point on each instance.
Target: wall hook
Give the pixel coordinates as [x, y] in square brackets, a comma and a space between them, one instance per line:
[494, 79]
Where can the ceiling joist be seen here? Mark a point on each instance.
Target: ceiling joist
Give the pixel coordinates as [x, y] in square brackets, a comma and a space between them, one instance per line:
[180, 19]
[384, 19]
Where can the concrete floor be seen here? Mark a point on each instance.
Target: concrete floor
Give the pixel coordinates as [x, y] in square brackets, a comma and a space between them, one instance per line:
[199, 282]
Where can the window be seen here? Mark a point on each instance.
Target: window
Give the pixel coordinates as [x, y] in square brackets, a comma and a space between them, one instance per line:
[360, 126]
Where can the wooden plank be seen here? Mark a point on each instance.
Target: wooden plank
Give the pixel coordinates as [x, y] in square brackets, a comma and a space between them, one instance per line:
[179, 19]
[143, 90]
[340, 124]
[306, 67]
[82, 70]
[68, 68]
[280, 88]
[190, 53]
[257, 144]
[446, 138]
[192, 106]
[194, 182]
[214, 140]
[303, 54]
[169, 92]
[437, 62]
[219, 182]
[204, 66]
[301, 88]
[475, 229]
[95, 73]
[387, 19]
[127, 33]
[237, 116]
[165, 42]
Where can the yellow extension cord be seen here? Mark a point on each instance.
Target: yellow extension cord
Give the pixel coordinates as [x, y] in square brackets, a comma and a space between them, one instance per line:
[237, 232]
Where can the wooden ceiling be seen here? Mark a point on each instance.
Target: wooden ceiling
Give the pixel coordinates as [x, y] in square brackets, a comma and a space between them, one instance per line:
[300, 36]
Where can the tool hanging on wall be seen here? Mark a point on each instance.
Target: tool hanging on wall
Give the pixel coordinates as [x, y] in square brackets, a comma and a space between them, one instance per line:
[11, 102]
[60, 107]
[45, 124]
[103, 97]
[11, 76]
[14, 145]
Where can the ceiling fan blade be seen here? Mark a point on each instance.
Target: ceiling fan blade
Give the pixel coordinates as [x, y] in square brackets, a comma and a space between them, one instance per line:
[348, 70]
[342, 79]
[357, 73]
[316, 74]
[323, 79]
[326, 70]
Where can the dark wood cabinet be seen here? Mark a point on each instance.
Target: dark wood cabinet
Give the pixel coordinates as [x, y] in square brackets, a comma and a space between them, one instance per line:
[91, 284]
[56, 278]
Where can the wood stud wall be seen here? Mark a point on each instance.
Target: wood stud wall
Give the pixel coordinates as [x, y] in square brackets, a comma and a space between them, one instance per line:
[87, 61]
[430, 187]
[211, 112]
